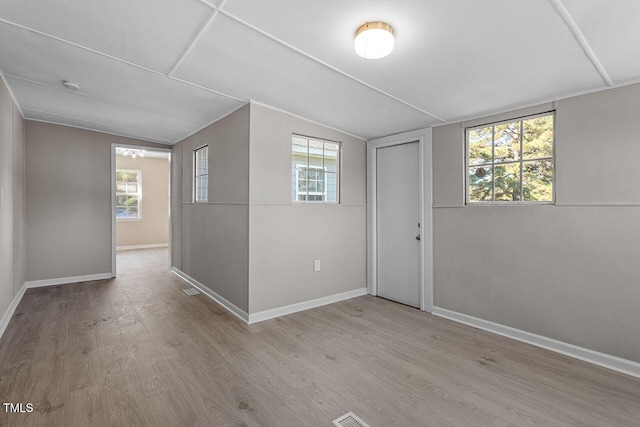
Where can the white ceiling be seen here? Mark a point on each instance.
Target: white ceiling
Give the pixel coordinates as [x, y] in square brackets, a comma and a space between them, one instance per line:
[163, 69]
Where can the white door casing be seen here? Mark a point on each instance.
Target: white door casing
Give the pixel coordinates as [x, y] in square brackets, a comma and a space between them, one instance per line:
[423, 137]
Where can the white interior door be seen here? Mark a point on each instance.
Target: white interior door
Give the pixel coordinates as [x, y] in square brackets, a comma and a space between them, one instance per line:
[398, 228]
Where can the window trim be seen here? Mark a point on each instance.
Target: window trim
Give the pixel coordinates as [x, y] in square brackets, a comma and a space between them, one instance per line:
[139, 183]
[338, 171]
[194, 175]
[468, 202]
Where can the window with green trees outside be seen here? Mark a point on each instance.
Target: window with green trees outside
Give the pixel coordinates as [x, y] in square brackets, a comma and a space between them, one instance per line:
[511, 161]
[128, 194]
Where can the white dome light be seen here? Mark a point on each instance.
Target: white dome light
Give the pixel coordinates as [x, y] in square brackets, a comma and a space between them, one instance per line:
[374, 40]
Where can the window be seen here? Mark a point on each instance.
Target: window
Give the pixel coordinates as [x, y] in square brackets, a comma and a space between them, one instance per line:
[128, 194]
[315, 166]
[201, 174]
[511, 161]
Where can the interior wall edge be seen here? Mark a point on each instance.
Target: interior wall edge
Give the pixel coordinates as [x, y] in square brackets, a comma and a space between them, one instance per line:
[13, 98]
[231, 307]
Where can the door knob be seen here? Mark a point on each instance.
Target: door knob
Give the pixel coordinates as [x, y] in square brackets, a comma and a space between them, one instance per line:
[418, 237]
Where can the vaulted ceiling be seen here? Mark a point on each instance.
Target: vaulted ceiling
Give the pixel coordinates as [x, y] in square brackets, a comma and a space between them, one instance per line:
[162, 69]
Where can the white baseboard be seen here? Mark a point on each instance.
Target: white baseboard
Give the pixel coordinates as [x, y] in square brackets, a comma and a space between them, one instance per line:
[153, 245]
[305, 305]
[615, 363]
[267, 314]
[234, 309]
[65, 280]
[6, 318]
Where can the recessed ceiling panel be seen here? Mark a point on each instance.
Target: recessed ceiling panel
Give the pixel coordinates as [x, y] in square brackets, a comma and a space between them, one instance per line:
[43, 60]
[153, 33]
[67, 104]
[612, 29]
[453, 58]
[238, 60]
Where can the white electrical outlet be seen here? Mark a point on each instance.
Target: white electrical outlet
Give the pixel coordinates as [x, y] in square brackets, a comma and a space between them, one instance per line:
[316, 265]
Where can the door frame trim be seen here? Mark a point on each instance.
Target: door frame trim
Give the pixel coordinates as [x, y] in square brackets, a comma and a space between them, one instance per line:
[115, 145]
[424, 139]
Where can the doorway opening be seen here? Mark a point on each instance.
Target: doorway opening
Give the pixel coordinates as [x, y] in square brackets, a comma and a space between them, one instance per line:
[140, 206]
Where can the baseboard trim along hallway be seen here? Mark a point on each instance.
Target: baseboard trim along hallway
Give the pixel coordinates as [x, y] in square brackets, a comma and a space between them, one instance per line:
[272, 313]
[134, 247]
[65, 280]
[234, 309]
[305, 305]
[6, 318]
[608, 361]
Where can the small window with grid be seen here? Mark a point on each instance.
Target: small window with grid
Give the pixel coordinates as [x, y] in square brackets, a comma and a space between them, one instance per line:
[315, 166]
[201, 175]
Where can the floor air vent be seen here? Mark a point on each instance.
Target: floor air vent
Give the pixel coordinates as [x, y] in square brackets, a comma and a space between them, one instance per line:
[191, 291]
[350, 420]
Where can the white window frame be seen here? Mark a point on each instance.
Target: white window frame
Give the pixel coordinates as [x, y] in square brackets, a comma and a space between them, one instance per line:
[138, 194]
[307, 166]
[196, 176]
[494, 202]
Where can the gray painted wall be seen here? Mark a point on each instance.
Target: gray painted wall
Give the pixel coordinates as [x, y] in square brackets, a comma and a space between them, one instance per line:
[216, 244]
[12, 207]
[211, 240]
[286, 237]
[567, 271]
[68, 194]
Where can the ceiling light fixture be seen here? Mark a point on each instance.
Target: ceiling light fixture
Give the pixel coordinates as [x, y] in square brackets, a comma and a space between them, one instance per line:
[130, 152]
[71, 85]
[374, 40]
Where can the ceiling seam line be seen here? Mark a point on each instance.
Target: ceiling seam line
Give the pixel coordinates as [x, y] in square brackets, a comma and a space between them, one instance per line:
[207, 89]
[195, 41]
[99, 131]
[309, 120]
[319, 61]
[209, 124]
[581, 39]
[99, 98]
[89, 121]
[106, 55]
[539, 103]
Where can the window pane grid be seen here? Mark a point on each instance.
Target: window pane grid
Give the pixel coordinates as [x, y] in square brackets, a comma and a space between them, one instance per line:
[128, 194]
[315, 166]
[523, 169]
[201, 174]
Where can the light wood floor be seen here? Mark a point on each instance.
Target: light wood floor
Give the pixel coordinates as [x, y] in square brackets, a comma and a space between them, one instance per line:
[137, 351]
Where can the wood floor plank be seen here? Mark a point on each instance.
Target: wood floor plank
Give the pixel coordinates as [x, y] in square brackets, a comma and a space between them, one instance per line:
[137, 351]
